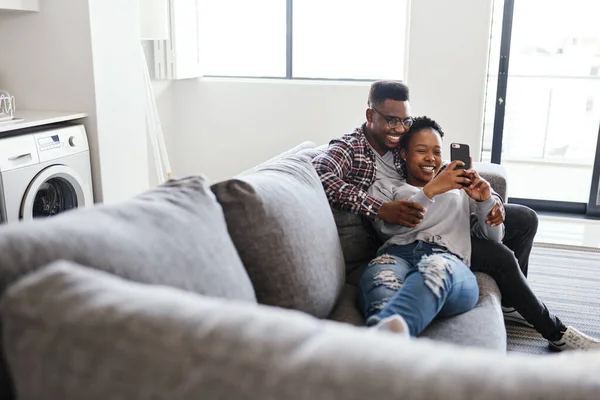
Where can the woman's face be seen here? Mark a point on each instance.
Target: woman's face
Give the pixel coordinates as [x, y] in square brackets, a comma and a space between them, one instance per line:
[423, 156]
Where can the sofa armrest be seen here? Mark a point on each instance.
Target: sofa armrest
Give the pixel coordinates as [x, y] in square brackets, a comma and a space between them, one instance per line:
[74, 333]
[495, 174]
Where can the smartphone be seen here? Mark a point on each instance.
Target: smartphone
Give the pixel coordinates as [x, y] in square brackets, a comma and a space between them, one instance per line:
[459, 151]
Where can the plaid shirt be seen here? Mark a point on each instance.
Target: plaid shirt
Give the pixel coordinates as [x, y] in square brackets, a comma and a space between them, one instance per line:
[347, 170]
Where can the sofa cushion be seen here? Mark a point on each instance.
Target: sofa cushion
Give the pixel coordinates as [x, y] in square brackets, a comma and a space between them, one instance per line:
[483, 326]
[174, 235]
[282, 227]
[73, 333]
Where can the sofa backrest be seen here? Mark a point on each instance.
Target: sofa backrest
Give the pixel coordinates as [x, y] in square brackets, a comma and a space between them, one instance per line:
[281, 224]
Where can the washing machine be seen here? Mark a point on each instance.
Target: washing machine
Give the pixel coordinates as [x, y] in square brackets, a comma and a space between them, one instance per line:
[44, 173]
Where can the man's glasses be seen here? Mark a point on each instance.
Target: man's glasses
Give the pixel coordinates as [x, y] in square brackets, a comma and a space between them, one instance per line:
[395, 121]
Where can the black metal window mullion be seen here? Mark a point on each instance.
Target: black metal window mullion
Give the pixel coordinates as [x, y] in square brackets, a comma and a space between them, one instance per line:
[593, 206]
[289, 38]
[502, 81]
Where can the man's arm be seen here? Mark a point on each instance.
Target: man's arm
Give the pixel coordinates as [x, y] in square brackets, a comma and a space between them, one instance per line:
[334, 167]
[389, 192]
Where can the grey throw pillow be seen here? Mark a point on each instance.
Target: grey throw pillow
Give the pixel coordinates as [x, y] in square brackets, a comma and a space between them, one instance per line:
[283, 229]
[173, 235]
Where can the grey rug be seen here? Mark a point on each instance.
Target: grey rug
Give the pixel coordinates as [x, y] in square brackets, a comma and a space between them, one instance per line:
[568, 282]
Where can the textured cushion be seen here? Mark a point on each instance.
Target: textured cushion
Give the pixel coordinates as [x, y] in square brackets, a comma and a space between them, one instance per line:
[73, 333]
[174, 235]
[282, 227]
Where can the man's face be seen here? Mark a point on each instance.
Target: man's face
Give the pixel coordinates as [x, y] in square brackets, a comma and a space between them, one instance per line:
[386, 123]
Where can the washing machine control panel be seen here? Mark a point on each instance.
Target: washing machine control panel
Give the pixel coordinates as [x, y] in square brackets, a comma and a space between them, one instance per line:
[49, 143]
[60, 142]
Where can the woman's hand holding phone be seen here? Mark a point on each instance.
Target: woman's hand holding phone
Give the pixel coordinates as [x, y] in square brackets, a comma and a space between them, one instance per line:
[479, 189]
[453, 177]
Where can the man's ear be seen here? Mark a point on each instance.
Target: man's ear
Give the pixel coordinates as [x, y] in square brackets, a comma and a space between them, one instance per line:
[369, 115]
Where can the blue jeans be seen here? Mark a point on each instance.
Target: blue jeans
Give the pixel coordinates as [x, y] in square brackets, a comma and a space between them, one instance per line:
[418, 282]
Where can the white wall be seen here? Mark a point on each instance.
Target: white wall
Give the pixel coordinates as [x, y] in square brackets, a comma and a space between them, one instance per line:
[120, 92]
[448, 56]
[223, 126]
[79, 55]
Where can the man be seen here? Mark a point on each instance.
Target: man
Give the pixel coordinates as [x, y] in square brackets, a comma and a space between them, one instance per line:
[353, 162]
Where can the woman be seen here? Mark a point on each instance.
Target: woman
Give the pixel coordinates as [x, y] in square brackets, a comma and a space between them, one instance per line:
[424, 271]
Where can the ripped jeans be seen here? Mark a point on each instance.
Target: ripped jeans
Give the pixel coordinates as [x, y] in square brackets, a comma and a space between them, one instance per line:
[418, 282]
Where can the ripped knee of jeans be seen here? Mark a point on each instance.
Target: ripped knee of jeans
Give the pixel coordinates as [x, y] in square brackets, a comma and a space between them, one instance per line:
[436, 270]
[386, 276]
[382, 260]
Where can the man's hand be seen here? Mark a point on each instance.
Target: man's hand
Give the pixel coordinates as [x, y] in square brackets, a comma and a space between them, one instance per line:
[402, 212]
[496, 216]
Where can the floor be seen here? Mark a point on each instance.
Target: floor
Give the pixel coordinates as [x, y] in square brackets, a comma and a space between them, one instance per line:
[568, 231]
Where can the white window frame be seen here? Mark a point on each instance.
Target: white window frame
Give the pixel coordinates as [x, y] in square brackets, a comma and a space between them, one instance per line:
[180, 56]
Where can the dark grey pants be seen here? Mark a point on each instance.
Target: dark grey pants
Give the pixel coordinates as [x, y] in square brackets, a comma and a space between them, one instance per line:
[508, 263]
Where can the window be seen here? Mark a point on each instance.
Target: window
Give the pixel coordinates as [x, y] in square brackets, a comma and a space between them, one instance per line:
[318, 39]
[243, 37]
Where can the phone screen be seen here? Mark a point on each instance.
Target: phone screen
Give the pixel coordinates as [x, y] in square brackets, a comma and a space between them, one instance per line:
[459, 151]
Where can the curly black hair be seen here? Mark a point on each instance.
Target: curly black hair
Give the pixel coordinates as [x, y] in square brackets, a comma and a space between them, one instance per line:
[383, 90]
[419, 123]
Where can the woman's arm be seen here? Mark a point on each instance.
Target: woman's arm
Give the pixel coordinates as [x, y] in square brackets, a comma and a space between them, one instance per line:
[479, 227]
[481, 203]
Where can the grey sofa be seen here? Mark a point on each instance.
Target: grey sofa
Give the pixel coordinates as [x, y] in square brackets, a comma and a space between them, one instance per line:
[239, 290]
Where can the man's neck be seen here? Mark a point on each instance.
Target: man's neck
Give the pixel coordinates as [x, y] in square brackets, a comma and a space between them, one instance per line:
[374, 145]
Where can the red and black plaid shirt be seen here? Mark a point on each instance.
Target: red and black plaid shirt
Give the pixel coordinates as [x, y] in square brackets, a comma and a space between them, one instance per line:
[347, 170]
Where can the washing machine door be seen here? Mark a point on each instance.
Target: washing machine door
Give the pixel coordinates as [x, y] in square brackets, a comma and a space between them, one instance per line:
[53, 190]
